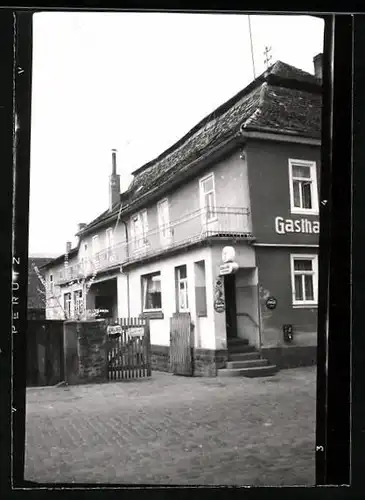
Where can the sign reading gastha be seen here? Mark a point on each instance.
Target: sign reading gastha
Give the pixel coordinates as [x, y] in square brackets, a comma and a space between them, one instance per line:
[304, 226]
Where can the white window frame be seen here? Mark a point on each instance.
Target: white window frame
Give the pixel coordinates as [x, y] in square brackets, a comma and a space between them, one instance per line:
[109, 238]
[141, 242]
[51, 285]
[144, 291]
[314, 187]
[314, 273]
[95, 246]
[183, 281]
[67, 303]
[202, 197]
[165, 229]
[77, 301]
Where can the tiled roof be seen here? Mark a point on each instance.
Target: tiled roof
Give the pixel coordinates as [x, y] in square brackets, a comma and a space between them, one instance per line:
[283, 99]
[59, 259]
[35, 297]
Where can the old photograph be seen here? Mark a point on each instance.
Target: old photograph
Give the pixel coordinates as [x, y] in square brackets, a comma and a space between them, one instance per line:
[173, 249]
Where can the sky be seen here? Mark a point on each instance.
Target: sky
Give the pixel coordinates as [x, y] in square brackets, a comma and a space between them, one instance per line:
[136, 82]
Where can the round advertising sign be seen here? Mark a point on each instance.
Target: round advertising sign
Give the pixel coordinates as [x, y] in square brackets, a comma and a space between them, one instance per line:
[219, 305]
[271, 302]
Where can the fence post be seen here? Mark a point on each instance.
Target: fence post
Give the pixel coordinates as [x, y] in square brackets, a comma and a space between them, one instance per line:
[148, 336]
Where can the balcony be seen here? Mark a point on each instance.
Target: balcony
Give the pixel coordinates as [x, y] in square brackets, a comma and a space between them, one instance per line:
[229, 222]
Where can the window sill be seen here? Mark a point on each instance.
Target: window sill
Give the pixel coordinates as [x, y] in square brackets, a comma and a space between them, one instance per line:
[152, 314]
[202, 315]
[305, 306]
[298, 211]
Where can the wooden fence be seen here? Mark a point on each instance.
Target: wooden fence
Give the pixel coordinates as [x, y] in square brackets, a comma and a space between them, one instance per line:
[129, 349]
[45, 353]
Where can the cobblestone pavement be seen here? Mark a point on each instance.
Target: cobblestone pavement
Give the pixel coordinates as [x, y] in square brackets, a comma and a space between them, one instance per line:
[175, 430]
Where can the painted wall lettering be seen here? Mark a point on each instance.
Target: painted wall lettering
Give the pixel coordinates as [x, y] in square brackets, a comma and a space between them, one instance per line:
[283, 226]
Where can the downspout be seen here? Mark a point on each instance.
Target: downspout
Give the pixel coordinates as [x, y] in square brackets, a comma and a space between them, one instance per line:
[127, 245]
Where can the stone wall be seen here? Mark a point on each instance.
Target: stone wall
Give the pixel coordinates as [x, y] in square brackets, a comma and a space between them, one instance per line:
[160, 358]
[85, 351]
[206, 362]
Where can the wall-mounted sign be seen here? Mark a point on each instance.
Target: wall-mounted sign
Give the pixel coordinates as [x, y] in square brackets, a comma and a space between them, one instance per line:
[271, 302]
[303, 226]
[114, 331]
[229, 268]
[228, 254]
[219, 305]
[136, 331]
[219, 301]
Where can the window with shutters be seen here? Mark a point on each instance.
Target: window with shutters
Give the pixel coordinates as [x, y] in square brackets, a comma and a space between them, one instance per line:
[304, 276]
[207, 197]
[164, 220]
[303, 187]
[109, 243]
[139, 230]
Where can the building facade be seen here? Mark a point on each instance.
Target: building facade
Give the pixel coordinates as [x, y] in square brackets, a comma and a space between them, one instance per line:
[224, 225]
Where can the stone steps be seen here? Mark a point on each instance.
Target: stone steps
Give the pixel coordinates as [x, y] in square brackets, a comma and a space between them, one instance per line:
[240, 348]
[243, 356]
[245, 361]
[248, 363]
[251, 372]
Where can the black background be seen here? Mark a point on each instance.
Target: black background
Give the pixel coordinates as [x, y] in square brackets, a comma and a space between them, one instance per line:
[342, 235]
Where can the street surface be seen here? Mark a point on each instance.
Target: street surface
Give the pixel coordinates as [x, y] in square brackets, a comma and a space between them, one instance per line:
[175, 430]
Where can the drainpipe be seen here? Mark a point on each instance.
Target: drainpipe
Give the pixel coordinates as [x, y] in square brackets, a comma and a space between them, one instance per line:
[127, 243]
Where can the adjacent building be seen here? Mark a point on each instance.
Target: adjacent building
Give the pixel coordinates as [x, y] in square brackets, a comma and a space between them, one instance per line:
[223, 225]
[36, 291]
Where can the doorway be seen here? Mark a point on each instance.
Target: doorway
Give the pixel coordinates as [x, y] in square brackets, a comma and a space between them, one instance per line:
[231, 305]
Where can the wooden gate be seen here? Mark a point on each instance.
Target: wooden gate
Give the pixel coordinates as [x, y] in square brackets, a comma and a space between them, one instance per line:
[129, 350]
[44, 345]
[181, 344]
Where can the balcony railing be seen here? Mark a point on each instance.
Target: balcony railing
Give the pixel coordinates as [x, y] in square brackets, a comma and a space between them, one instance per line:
[194, 227]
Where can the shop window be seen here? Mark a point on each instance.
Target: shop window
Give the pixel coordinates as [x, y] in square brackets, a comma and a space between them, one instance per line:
[151, 292]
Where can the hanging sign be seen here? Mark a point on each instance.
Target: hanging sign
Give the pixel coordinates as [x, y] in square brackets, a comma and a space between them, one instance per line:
[228, 268]
[228, 254]
[271, 302]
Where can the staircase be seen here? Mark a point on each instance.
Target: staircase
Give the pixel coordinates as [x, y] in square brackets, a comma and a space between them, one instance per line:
[245, 361]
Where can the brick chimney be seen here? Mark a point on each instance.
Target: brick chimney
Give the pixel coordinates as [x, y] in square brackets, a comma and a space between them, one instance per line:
[114, 182]
[68, 246]
[318, 61]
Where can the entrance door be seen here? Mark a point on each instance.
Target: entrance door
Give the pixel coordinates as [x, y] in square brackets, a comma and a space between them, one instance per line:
[231, 309]
[104, 302]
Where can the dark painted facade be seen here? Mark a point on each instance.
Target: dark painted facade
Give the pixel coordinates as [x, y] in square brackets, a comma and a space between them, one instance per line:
[268, 177]
[280, 235]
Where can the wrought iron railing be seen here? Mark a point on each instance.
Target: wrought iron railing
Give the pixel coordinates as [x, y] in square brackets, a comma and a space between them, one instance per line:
[193, 227]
